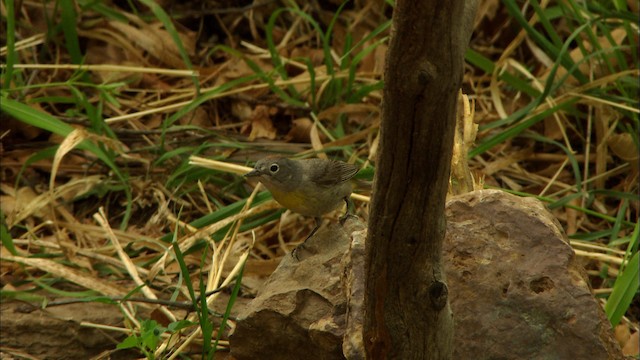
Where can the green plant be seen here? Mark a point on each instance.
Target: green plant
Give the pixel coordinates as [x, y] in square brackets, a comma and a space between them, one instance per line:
[149, 337]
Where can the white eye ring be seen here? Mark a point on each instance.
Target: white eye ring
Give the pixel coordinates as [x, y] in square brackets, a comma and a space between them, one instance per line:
[274, 168]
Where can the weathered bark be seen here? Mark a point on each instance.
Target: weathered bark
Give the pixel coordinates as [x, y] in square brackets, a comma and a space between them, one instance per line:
[407, 308]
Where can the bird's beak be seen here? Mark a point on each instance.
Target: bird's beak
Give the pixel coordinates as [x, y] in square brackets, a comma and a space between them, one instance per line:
[252, 173]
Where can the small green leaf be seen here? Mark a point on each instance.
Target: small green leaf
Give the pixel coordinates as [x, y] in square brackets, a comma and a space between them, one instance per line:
[128, 343]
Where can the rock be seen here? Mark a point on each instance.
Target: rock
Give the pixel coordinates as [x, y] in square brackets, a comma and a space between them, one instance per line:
[56, 332]
[353, 282]
[516, 289]
[301, 310]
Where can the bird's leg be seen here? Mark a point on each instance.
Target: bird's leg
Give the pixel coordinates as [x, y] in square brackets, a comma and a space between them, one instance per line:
[318, 223]
[349, 211]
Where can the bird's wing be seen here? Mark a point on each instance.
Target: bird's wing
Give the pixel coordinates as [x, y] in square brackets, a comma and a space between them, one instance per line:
[328, 173]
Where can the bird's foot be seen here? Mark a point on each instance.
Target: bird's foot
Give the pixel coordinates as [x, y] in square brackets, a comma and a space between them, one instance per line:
[344, 218]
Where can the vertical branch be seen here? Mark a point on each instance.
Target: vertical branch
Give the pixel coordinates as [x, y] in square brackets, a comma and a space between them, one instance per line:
[407, 308]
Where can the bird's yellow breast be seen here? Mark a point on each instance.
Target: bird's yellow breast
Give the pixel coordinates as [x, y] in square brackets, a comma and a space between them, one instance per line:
[294, 201]
[305, 203]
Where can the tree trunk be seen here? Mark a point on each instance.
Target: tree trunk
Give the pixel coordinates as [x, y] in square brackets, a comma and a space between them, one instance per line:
[407, 307]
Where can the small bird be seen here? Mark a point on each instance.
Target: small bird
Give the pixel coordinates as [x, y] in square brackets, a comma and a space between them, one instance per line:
[311, 187]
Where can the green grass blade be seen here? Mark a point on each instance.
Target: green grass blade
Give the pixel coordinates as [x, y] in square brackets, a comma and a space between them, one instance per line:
[206, 327]
[326, 39]
[520, 127]
[224, 213]
[232, 300]
[205, 96]
[168, 25]
[624, 289]
[364, 91]
[566, 203]
[103, 9]
[540, 39]
[5, 236]
[577, 175]
[64, 293]
[312, 84]
[544, 16]
[184, 270]
[278, 65]
[35, 118]
[353, 67]
[485, 64]
[22, 296]
[622, 210]
[12, 57]
[267, 78]
[69, 23]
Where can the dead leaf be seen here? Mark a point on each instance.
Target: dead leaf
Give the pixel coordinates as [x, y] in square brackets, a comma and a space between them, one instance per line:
[363, 114]
[198, 117]
[261, 124]
[622, 334]
[315, 56]
[374, 61]
[578, 56]
[622, 146]
[156, 41]
[504, 162]
[242, 110]
[632, 347]
[99, 52]
[300, 131]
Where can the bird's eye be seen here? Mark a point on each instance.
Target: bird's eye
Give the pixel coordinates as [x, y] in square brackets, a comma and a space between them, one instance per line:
[274, 168]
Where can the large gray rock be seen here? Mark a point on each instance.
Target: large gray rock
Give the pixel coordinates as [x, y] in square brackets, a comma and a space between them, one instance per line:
[56, 331]
[516, 289]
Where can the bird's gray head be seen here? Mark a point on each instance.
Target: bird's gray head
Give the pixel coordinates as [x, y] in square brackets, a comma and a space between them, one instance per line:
[279, 172]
